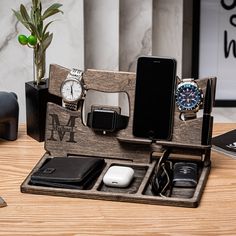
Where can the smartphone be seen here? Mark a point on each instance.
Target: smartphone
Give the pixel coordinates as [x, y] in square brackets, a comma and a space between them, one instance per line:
[154, 98]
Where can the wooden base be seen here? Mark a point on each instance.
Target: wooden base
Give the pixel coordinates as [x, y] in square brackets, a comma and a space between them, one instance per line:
[138, 191]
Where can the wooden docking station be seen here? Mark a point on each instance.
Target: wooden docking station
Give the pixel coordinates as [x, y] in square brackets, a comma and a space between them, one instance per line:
[121, 148]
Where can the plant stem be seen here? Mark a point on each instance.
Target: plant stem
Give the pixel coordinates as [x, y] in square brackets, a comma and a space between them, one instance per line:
[39, 65]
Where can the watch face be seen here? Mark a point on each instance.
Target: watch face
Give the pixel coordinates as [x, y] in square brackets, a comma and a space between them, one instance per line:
[104, 120]
[71, 90]
[188, 96]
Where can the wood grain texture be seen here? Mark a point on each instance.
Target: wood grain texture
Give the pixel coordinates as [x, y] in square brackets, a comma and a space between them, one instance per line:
[185, 132]
[85, 140]
[28, 214]
[134, 193]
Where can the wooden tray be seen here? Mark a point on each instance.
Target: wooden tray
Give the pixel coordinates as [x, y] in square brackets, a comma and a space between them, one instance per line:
[64, 139]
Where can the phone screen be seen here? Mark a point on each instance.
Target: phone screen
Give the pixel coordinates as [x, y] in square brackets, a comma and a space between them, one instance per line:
[154, 98]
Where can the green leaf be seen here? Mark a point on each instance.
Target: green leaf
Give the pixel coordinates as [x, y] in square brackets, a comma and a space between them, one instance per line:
[51, 13]
[20, 19]
[35, 3]
[32, 14]
[46, 35]
[45, 28]
[34, 31]
[24, 13]
[40, 28]
[36, 13]
[40, 7]
[52, 10]
[18, 15]
[47, 41]
[53, 6]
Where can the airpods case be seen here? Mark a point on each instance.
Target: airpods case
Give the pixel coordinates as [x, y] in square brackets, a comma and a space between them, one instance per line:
[118, 176]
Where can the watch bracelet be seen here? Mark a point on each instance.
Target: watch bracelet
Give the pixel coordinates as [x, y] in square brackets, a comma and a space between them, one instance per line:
[71, 106]
[76, 72]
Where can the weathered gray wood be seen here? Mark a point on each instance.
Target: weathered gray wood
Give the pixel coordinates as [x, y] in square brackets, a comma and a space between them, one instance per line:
[62, 139]
[130, 194]
[87, 142]
[186, 132]
[67, 135]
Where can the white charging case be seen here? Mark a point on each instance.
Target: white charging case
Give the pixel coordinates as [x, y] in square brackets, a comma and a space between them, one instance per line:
[118, 176]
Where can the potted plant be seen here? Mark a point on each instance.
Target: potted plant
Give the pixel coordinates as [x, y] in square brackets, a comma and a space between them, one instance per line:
[39, 40]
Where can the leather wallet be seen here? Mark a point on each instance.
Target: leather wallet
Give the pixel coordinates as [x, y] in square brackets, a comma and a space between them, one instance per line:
[68, 172]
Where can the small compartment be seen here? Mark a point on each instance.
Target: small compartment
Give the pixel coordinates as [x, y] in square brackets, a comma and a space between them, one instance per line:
[173, 191]
[139, 173]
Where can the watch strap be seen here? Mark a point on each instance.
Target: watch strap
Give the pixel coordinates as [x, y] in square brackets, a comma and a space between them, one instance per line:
[187, 80]
[90, 119]
[188, 115]
[70, 105]
[121, 122]
[76, 73]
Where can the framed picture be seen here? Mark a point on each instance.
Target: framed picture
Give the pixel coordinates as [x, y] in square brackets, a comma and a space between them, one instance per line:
[215, 22]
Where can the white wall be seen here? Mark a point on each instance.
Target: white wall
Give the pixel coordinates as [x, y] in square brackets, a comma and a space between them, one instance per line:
[98, 34]
[218, 34]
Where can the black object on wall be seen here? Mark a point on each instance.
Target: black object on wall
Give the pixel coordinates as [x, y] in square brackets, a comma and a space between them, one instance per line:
[9, 115]
[37, 97]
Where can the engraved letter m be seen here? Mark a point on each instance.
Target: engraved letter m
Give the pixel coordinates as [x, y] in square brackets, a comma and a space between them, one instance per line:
[61, 130]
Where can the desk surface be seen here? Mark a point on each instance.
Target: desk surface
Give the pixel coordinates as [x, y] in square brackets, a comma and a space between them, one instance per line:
[28, 214]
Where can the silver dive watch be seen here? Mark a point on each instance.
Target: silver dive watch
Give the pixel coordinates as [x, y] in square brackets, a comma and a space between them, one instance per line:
[189, 98]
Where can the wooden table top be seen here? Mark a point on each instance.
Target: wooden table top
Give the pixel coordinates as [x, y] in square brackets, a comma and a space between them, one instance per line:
[28, 214]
